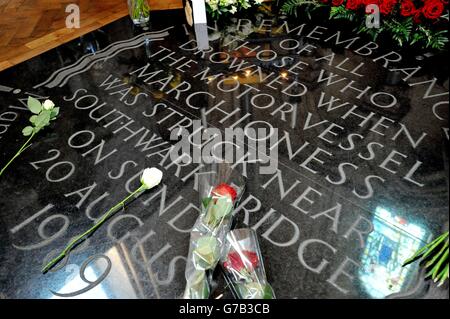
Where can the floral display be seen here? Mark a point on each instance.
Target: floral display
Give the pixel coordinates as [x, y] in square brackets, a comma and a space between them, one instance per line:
[218, 7]
[139, 11]
[242, 263]
[415, 22]
[151, 177]
[207, 243]
[43, 114]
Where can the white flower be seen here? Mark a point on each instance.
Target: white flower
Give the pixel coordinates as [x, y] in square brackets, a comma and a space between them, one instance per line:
[48, 105]
[151, 177]
[233, 9]
[258, 1]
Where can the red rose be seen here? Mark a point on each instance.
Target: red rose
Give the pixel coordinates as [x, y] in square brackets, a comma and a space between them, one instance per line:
[252, 257]
[337, 3]
[225, 190]
[235, 261]
[416, 16]
[367, 2]
[386, 6]
[353, 4]
[407, 8]
[432, 9]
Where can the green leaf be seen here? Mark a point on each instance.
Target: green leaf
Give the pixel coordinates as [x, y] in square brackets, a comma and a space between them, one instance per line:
[54, 113]
[27, 131]
[425, 250]
[34, 105]
[434, 244]
[198, 287]
[206, 254]
[42, 119]
[443, 276]
[268, 292]
[206, 245]
[222, 208]
[435, 257]
[290, 7]
[205, 201]
[439, 264]
[33, 118]
[217, 211]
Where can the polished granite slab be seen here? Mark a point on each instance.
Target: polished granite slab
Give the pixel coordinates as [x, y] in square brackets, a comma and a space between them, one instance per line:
[361, 158]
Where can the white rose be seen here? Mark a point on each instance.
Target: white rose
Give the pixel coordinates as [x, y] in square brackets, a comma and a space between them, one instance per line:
[48, 105]
[151, 177]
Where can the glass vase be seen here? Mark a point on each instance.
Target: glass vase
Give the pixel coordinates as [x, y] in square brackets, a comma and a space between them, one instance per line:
[139, 11]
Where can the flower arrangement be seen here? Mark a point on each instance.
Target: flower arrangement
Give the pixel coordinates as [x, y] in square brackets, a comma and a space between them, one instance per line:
[43, 113]
[151, 177]
[413, 22]
[219, 7]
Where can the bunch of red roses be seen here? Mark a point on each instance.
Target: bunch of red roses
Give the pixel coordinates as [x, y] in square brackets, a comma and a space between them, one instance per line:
[429, 9]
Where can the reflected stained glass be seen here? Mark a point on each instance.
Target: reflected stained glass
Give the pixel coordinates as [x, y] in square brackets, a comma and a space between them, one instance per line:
[391, 242]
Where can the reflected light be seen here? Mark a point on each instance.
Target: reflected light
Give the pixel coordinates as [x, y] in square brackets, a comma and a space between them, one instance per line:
[392, 241]
[77, 284]
[117, 284]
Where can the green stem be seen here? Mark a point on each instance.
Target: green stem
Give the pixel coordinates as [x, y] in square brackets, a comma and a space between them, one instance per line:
[89, 232]
[139, 8]
[24, 146]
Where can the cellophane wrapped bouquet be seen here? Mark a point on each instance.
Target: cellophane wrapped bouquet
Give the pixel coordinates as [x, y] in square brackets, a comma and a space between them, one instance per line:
[220, 189]
[243, 266]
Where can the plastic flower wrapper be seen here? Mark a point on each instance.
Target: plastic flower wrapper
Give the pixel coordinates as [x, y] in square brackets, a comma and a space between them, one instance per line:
[243, 266]
[220, 188]
[198, 287]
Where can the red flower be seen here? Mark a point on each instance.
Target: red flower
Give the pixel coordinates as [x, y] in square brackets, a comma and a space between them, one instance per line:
[386, 6]
[367, 2]
[407, 8]
[337, 3]
[353, 4]
[225, 190]
[433, 9]
[417, 15]
[235, 261]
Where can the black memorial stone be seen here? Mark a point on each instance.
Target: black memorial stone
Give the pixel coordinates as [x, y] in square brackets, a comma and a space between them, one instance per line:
[361, 147]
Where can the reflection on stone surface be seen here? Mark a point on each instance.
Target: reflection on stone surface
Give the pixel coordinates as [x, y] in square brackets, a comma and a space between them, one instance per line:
[361, 181]
[386, 249]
